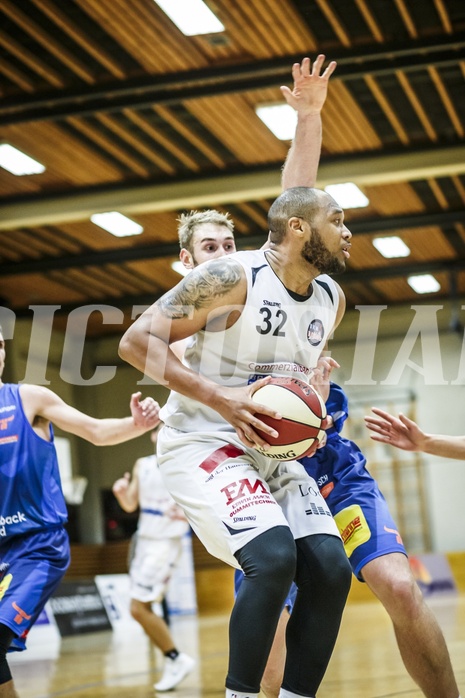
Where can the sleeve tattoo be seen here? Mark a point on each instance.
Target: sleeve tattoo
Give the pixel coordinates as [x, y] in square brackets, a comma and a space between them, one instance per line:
[200, 288]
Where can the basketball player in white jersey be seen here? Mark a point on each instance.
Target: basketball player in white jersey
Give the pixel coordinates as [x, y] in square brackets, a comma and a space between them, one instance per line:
[249, 315]
[308, 141]
[160, 530]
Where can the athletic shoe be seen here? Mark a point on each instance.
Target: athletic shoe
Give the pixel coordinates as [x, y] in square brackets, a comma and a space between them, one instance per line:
[174, 672]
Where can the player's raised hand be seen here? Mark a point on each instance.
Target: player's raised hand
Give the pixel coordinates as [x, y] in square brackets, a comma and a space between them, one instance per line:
[121, 485]
[310, 86]
[399, 431]
[321, 375]
[145, 413]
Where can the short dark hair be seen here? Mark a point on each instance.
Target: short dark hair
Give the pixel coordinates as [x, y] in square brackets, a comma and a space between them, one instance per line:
[302, 202]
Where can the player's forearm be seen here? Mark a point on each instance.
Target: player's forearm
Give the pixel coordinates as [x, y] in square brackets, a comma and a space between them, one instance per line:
[189, 383]
[110, 432]
[445, 446]
[156, 360]
[126, 501]
[301, 165]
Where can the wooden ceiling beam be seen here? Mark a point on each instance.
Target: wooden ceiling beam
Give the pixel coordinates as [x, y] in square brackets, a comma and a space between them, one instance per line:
[444, 219]
[223, 189]
[345, 279]
[171, 89]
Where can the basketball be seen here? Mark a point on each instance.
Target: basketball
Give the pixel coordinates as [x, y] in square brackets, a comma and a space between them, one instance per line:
[303, 414]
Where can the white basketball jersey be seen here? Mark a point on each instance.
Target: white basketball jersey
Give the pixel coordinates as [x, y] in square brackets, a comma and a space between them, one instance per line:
[160, 516]
[278, 333]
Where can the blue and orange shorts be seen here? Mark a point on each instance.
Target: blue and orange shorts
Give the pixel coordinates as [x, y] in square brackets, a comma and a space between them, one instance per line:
[31, 567]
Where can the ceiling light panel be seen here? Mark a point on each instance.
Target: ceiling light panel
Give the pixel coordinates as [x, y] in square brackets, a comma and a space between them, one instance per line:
[347, 195]
[424, 283]
[391, 247]
[115, 223]
[281, 119]
[17, 162]
[192, 17]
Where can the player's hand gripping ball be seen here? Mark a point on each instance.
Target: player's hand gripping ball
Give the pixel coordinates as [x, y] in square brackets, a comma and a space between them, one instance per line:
[302, 427]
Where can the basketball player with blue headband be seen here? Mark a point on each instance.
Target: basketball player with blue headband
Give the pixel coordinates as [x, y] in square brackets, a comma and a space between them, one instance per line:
[248, 509]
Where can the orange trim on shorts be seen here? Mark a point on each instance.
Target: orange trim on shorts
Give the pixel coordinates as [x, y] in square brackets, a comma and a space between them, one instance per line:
[219, 456]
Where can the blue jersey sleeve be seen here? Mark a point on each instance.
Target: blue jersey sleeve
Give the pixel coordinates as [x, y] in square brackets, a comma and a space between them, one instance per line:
[338, 407]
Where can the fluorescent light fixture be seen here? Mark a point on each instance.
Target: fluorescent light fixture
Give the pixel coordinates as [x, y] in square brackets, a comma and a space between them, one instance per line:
[281, 119]
[391, 247]
[116, 224]
[347, 195]
[192, 17]
[18, 163]
[179, 267]
[424, 283]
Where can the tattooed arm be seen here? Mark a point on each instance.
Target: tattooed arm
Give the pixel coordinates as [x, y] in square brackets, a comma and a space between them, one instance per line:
[210, 295]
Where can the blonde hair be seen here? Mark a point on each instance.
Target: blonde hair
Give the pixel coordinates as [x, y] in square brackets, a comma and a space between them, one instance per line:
[188, 222]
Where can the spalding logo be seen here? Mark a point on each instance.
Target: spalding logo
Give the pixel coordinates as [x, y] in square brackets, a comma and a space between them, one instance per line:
[278, 456]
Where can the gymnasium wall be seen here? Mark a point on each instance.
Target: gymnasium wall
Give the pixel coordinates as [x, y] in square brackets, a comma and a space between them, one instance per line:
[400, 357]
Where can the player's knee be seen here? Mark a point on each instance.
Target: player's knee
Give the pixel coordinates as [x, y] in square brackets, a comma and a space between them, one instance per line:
[137, 610]
[336, 568]
[325, 564]
[271, 556]
[6, 637]
[399, 594]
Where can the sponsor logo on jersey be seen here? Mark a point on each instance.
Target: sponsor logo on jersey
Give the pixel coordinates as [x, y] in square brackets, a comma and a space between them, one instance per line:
[277, 367]
[4, 584]
[20, 614]
[238, 519]
[243, 494]
[243, 488]
[315, 332]
[7, 408]
[317, 510]
[308, 489]
[396, 533]
[5, 521]
[353, 527]
[9, 439]
[4, 422]
[326, 490]
[277, 304]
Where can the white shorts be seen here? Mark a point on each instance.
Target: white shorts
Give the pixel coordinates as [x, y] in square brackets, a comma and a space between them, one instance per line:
[152, 567]
[231, 494]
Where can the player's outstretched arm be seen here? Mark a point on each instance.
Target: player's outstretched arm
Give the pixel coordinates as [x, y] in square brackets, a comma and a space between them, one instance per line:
[307, 97]
[396, 431]
[42, 406]
[404, 433]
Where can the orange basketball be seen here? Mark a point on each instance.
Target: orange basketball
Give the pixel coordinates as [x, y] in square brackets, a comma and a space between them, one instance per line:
[303, 415]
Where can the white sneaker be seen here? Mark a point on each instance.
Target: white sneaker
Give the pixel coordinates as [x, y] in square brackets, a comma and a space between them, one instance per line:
[174, 672]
